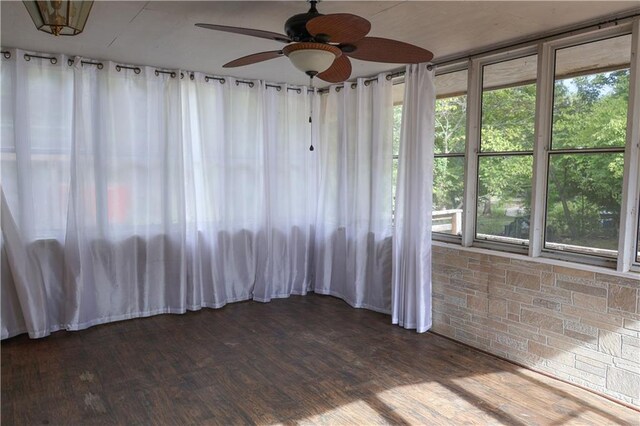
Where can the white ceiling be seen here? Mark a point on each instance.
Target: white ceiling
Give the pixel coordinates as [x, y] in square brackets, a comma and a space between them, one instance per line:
[162, 33]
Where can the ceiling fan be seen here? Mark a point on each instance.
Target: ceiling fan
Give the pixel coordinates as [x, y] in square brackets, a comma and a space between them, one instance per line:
[321, 45]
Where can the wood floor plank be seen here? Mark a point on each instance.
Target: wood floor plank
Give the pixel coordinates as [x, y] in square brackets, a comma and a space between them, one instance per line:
[302, 360]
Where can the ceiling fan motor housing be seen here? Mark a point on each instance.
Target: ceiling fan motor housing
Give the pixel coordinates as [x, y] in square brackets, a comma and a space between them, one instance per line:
[296, 26]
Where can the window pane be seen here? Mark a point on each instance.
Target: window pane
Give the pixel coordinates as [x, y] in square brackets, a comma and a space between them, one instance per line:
[583, 202]
[448, 191]
[504, 198]
[591, 94]
[451, 112]
[509, 105]
[638, 242]
[397, 124]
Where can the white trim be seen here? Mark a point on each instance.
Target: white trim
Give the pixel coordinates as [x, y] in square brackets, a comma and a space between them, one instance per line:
[590, 37]
[544, 108]
[631, 177]
[474, 100]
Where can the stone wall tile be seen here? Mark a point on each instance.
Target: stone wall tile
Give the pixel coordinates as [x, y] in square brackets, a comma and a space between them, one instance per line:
[632, 324]
[622, 298]
[584, 341]
[536, 266]
[570, 346]
[498, 307]
[610, 343]
[457, 261]
[631, 341]
[579, 280]
[628, 282]
[526, 334]
[478, 303]
[581, 331]
[510, 295]
[563, 270]
[517, 343]
[571, 370]
[581, 326]
[549, 353]
[627, 365]
[631, 353]
[590, 302]
[543, 321]
[548, 279]
[547, 304]
[475, 285]
[594, 316]
[558, 294]
[623, 381]
[598, 371]
[581, 288]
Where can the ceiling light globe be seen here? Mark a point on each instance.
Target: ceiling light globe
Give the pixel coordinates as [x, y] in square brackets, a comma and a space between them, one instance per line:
[312, 58]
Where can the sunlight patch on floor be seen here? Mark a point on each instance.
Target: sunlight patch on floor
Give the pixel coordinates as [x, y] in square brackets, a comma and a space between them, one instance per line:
[355, 413]
[437, 402]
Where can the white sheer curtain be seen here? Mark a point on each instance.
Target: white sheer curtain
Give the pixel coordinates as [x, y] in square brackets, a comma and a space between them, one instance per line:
[129, 193]
[251, 180]
[124, 249]
[353, 238]
[37, 105]
[412, 232]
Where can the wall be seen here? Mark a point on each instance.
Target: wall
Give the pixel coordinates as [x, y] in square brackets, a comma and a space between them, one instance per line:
[580, 325]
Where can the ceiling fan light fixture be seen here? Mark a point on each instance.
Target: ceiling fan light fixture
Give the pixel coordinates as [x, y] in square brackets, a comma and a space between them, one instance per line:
[312, 58]
[59, 17]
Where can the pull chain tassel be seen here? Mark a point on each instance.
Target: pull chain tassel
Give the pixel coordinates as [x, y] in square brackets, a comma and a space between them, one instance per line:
[311, 148]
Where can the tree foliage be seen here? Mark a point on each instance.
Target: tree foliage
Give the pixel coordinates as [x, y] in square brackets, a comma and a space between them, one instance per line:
[584, 189]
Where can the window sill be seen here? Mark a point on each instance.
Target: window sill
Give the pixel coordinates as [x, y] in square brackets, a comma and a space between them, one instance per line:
[541, 260]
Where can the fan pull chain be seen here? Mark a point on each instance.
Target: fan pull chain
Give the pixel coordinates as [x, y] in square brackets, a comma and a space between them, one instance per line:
[311, 148]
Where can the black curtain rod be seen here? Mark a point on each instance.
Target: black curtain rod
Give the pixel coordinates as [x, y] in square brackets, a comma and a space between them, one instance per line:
[52, 59]
[98, 65]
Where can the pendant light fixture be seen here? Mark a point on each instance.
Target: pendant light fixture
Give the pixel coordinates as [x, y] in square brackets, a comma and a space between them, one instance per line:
[59, 17]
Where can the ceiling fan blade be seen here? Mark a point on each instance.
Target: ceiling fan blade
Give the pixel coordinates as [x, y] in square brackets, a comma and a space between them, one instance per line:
[338, 72]
[247, 31]
[378, 49]
[339, 27]
[254, 58]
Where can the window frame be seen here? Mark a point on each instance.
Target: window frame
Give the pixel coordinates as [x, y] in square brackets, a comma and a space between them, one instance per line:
[543, 149]
[442, 70]
[545, 79]
[473, 152]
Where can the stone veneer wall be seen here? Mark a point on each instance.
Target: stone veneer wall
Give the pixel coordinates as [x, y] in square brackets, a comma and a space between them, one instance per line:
[575, 324]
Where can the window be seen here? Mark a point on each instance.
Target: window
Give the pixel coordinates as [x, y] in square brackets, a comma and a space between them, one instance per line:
[588, 137]
[38, 151]
[638, 240]
[398, 97]
[505, 158]
[575, 134]
[448, 165]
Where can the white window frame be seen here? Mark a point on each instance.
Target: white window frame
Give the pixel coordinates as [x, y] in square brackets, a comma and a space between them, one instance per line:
[448, 69]
[630, 216]
[546, 67]
[473, 154]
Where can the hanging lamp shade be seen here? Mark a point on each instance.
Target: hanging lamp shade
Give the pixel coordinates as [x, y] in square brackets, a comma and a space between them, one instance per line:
[311, 58]
[59, 17]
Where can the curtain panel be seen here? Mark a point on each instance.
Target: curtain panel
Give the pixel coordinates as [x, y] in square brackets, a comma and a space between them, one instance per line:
[412, 232]
[129, 193]
[354, 219]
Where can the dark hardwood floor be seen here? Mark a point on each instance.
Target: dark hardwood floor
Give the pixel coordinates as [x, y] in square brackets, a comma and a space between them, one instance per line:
[303, 360]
